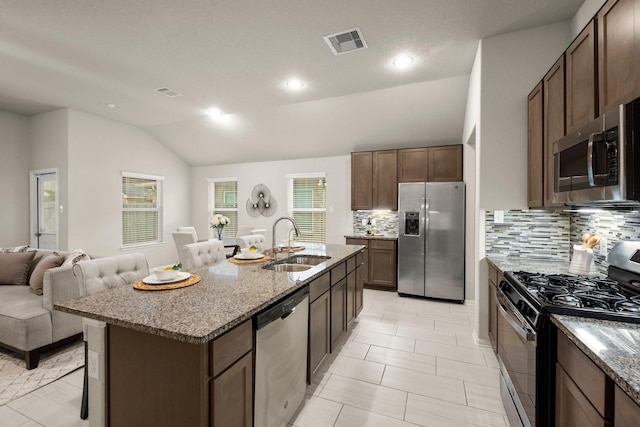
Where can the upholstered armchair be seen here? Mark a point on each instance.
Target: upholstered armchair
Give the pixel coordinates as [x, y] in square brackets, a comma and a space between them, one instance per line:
[257, 240]
[201, 254]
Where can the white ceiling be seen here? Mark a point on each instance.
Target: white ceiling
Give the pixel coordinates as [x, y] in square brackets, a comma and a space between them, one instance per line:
[236, 55]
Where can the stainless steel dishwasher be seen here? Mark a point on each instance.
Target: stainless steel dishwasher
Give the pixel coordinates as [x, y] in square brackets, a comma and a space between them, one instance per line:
[281, 360]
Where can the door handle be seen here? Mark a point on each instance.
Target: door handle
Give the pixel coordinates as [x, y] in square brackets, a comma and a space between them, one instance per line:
[427, 207]
[590, 159]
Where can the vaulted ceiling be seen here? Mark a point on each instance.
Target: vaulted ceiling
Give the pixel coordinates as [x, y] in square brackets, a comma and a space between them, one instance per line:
[107, 57]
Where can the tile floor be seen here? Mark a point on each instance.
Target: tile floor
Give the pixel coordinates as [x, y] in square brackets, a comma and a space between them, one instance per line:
[405, 362]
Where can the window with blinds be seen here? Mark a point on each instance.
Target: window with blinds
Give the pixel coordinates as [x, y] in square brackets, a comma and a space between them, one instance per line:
[306, 202]
[223, 199]
[141, 209]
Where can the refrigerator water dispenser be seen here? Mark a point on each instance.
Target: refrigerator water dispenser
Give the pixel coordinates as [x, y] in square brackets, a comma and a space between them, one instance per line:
[412, 224]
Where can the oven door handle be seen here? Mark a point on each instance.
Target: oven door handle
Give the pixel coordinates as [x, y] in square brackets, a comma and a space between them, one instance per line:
[513, 321]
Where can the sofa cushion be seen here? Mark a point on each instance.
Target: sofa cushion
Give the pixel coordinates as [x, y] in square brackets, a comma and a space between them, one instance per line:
[22, 248]
[14, 267]
[24, 323]
[37, 276]
[75, 256]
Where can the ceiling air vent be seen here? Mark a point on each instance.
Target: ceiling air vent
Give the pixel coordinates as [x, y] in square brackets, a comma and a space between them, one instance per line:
[346, 41]
[168, 92]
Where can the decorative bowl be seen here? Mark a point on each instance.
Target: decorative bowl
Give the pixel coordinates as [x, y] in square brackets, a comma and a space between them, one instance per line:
[162, 273]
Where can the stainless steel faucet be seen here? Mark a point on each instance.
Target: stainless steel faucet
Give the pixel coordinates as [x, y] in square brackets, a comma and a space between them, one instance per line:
[273, 235]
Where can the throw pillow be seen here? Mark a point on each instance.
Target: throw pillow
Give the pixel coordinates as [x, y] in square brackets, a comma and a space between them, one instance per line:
[14, 267]
[14, 249]
[74, 257]
[36, 281]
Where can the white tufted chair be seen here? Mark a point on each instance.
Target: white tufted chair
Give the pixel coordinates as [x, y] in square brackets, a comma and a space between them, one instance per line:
[181, 239]
[98, 275]
[191, 230]
[256, 240]
[196, 255]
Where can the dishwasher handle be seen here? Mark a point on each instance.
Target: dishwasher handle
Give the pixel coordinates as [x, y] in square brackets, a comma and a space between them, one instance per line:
[288, 313]
[281, 309]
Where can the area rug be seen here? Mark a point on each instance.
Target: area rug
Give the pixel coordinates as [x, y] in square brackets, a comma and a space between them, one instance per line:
[16, 380]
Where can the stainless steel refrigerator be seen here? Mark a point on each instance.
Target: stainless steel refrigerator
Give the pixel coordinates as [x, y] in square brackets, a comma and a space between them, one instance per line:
[431, 239]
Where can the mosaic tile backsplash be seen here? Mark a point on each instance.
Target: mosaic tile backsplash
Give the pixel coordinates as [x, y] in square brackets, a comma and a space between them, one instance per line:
[540, 234]
[385, 222]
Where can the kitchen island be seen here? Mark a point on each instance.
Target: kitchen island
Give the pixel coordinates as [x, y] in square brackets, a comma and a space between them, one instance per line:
[185, 356]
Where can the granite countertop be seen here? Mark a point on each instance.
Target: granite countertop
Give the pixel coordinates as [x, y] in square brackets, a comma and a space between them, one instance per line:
[227, 295]
[613, 346]
[373, 236]
[550, 265]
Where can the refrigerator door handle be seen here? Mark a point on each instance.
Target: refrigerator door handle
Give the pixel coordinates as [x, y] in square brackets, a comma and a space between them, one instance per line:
[427, 206]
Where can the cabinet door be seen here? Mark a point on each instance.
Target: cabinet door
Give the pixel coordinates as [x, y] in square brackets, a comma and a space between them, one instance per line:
[627, 412]
[581, 79]
[232, 395]
[618, 69]
[338, 311]
[319, 332]
[351, 297]
[365, 256]
[385, 179]
[572, 407]
[535, 140]
[412, 165]
[382, 264]
[553, 122]
[361, 180]
[445, 164]
[359, 289]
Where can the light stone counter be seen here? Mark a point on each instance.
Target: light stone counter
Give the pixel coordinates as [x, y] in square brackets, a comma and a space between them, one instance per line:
[551, 265]
[227, 295]
[613, 346]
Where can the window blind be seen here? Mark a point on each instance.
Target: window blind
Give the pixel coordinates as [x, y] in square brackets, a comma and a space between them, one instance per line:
[223, 199]
[306, 202]
[141, 209]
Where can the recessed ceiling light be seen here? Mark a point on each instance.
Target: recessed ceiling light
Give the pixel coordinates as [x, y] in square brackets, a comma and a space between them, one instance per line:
[295, 84]
[111, 105]
[213, 112]
[402, 61]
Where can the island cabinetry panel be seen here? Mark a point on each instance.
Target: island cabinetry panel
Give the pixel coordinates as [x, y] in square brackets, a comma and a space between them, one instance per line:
[319, 322]
[359, 283]
[618, 52]
[584, 394]
[338, 303]
[364, 256]
[553, 121]
[626, 412]
[350, 312]
[581, 81]
[362, 180]
[153, 380]
[535, 140]
[385, 179]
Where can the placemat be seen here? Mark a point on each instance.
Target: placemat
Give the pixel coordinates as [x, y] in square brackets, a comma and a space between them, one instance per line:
[192, 280]
[248, 261]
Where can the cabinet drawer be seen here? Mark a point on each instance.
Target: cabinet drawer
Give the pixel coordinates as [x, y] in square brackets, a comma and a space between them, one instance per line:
[382, 244]
[363, 242]
[319, 286]
[229, 347]
[338, 273]
[359, 259]
[351, 264]
[593, 383]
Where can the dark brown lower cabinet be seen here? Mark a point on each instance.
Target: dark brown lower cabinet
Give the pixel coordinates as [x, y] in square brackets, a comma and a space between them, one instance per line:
[627, 412]
[338, 311]
[572, 407]
[350, 312]
[382, 264]
[153, 380]
[319, 332]
[232, 395]
[359, 297]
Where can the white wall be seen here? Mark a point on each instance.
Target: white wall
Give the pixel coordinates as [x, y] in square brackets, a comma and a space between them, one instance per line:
[14, 179]
[99, 150]
[48, 137]
[273, 175]
[512, 64]
[582, 17]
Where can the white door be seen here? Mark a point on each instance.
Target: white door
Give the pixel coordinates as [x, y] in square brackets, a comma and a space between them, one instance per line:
[44, 212]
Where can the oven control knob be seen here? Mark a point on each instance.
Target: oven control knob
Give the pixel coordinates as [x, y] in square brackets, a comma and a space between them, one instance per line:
[505, 286]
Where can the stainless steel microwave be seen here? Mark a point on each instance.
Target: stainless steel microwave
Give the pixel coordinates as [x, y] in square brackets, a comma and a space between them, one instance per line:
[600, 163]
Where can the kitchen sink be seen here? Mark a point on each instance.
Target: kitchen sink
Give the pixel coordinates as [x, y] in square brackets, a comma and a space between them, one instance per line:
[307, 259]
[287, 267]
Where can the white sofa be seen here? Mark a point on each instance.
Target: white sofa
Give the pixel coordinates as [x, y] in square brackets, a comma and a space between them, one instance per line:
[28, 323]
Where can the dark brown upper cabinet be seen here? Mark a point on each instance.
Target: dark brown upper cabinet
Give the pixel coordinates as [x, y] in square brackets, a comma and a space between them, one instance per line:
[581, 79]
[535, 140]
[553, 120]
